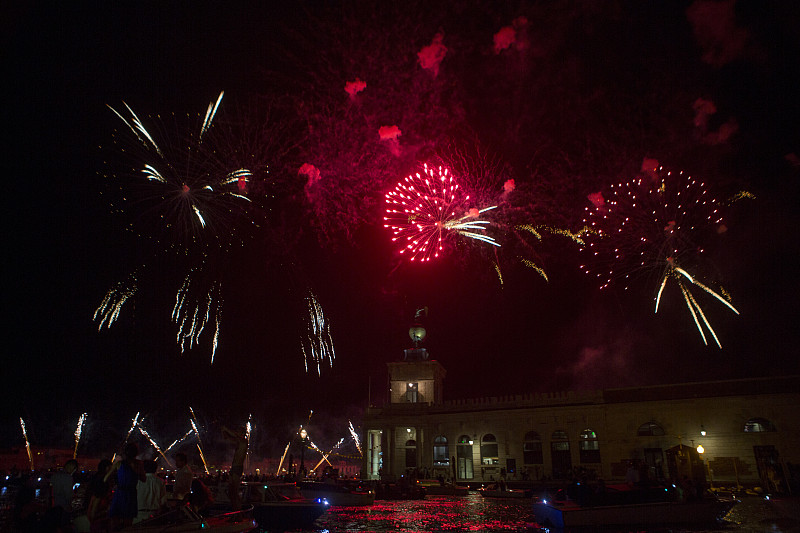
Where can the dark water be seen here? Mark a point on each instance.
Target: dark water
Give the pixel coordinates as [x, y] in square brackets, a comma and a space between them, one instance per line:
[475, 513]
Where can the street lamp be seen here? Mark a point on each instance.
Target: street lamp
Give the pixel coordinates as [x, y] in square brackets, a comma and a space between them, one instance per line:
[303, 443]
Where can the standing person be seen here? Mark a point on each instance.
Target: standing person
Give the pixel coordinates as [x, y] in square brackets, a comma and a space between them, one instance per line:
[62, 483]
[150, 493]
[237, 465]
[99, 495]
[129, 471]
[183, 477]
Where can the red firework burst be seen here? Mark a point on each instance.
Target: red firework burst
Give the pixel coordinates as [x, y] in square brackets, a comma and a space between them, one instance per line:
[425, 208]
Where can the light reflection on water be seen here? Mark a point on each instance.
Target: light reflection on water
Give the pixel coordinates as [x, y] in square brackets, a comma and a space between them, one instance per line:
[470, 513]
[475, 513]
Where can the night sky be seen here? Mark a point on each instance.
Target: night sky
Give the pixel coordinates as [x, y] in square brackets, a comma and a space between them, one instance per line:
[577, 101]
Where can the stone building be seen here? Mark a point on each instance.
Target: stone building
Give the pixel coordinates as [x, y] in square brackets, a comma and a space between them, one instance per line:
[744, 432]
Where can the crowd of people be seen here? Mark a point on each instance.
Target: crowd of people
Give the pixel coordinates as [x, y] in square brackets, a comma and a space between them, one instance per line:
[114, 496]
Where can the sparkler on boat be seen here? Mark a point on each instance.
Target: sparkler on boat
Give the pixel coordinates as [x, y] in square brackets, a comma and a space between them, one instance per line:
[78, 431]
[355, 437]
[27, 443]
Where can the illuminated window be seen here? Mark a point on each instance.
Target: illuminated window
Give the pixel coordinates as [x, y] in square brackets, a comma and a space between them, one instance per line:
[650, 429]
[532, 449]
[464, 457]
[757, 425]
[489, 455]
[412, 392]
[440, 455]
[588, 447]
[411, 453]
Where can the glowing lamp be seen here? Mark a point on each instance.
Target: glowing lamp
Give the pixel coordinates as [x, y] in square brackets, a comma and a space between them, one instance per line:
[702, 430]
[417, 333]
[700, 448]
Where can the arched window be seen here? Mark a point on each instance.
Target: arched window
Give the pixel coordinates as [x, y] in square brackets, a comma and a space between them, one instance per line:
[757, 425]
[588, 447]
[650, 429]
[440, 455]
[464, 457]
[532, 449]
[489, 454]
[411, 453]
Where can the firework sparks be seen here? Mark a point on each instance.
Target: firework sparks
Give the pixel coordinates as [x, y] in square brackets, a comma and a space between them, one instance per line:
[191, 190]
[318, 345]
[424, 209]
[283, 458]
[78, 431]
[326, 455]
[355, 436]
[654, 224]
[108, 310]
[27, 443]
[189, 203]
[155, 445]
[193, 314]
[248, 432]
[680, 275]
[178, 440]
[193, 422]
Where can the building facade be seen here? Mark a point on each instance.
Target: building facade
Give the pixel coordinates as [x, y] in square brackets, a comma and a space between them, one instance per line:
[742, 432]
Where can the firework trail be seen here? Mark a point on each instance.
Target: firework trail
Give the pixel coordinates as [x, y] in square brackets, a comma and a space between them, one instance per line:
[680, 276]
[189, 203]
[283, 458]
[192, 314]
[108, 310]
[355, 437]
[193, 422]
[318, 346]
[326, 455]
[248, 432]
[425, 209]
[27, 443]
[78, 431]
[178, 440]
[155, 445]
[654, 225]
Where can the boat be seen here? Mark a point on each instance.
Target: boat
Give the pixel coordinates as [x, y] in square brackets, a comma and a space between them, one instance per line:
[283, 506]
[434, 487]
[275, 505]
[339, 494]
[496, 492]
[623, 506]
[184, 519]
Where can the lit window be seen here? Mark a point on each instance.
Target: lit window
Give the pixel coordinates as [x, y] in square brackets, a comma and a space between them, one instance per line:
[589, 448]
[489, 454]
[412, 392]
[440, 455]
[464, 457]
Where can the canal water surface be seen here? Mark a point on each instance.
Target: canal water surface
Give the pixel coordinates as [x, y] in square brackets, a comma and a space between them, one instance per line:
[475, 513]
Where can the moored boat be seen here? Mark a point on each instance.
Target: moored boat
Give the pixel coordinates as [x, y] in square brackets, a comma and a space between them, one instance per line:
[502, 493]
[434, 487]
[340, 494]
[626, 507]
[282, 506]
[184, 519]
